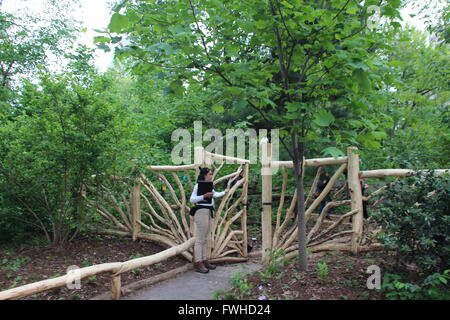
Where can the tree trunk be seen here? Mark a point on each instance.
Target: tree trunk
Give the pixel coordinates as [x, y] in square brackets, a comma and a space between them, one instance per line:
[299, 151]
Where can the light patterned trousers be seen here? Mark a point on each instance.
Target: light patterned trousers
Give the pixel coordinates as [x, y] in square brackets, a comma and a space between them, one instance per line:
[202, 220]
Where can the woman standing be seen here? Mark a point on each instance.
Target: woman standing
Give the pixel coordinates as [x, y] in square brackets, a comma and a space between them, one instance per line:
[203, 212]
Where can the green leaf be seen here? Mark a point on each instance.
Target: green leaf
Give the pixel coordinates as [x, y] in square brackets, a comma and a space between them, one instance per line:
[262, 24]
[292, 116]
[333, 151]
[241, 103]
[166, 47]
[218, 108]
[395, 63]
[234, 91]
[132, 16]
[323, 118]
[399, 285]
[396, 24]
[116, 39]
[355, 123]
[294, 106]
[379, 135]
[103, 47]
[287, 4]
[118, 22]
[352, 10]
[362, 79]
[102, 39]
[358, 64]
[177, 87]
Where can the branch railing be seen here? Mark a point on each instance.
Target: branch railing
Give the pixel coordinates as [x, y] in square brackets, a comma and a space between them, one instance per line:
[114, 268]
[175, 228]
[156, 207]
[280, 231]
[143, 212]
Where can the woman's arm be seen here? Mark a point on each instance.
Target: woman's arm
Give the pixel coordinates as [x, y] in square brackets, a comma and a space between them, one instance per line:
[219, 194]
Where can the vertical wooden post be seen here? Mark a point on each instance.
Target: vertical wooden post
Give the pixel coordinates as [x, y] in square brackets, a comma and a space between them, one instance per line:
[136, 208]
[115, 287]
[354, 187]
[245, 208]
[266, 219]
[83, 190]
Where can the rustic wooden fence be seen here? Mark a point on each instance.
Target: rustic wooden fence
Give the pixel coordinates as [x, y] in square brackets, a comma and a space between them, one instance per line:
[114, 268]
[279, 228]
[156, 206]
[143, 211]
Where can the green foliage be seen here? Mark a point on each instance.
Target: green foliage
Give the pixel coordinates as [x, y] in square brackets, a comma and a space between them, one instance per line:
[223, 295]
[415, 115]
[86, 263]
[241, 284]
[137, 272]
[276, 261]
[305, 67]
[15, 264]
[352, 283]
[415, 218]
[27, 40]
[325, 81]
[322, 271]
[92, 279]
[62, 132]
[434, 287]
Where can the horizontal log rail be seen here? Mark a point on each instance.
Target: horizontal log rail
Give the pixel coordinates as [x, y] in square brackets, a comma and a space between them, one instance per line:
[317, 162]
[381, 173]
[221, 157]
[115, 268]
[173, 168]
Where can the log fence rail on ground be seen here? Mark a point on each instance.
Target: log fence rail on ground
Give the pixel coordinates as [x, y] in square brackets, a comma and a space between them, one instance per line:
[114, 268]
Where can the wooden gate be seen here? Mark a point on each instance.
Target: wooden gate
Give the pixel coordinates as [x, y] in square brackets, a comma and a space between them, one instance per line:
[343, 232]
[347, 231]
[155, 205]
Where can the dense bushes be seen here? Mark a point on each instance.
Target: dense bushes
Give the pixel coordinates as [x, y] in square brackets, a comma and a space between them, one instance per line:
[63, 129]
[415, 216]
[433, 286]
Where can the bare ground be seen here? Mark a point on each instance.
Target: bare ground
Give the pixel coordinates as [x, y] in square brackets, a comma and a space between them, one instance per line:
[34, 263]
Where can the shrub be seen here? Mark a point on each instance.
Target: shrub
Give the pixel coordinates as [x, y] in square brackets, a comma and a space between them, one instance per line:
[241, 284]
[322, 271]
[63, 130]
[414, 218]
[434, 286]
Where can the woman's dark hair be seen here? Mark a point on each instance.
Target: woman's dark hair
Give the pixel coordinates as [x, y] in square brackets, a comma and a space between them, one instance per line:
[203, 172]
